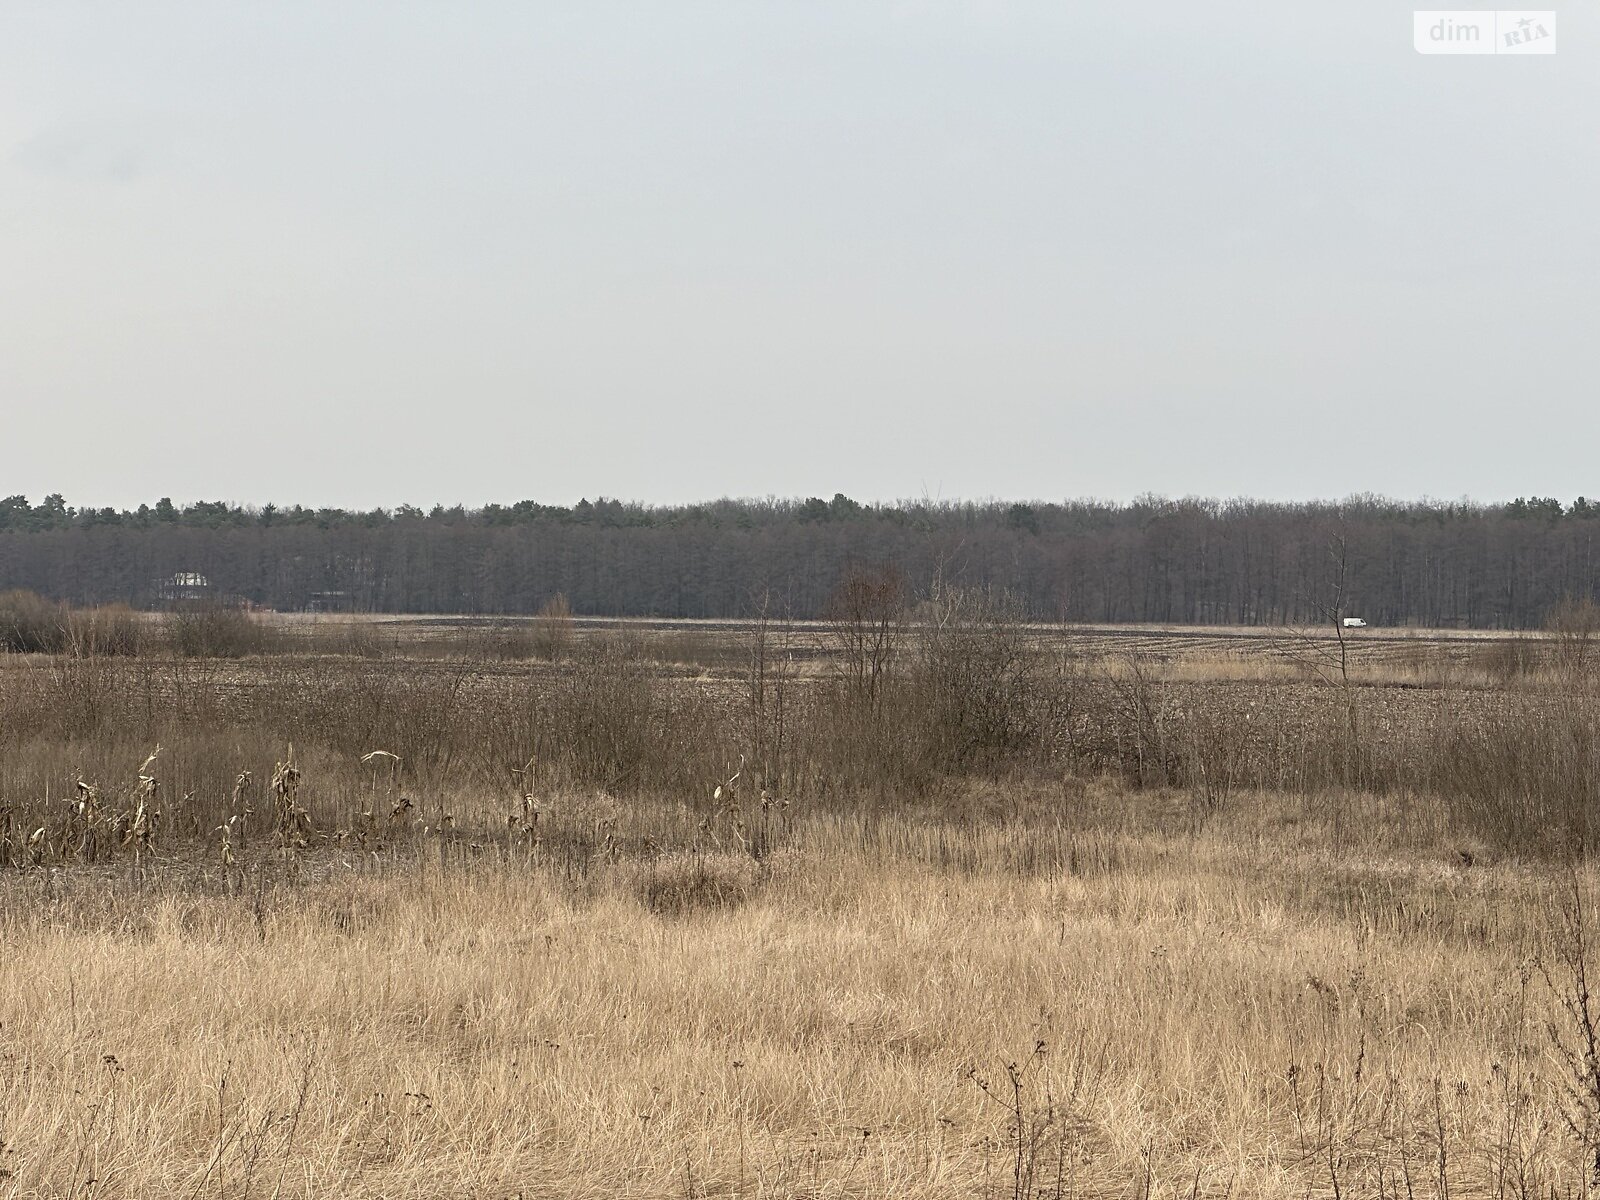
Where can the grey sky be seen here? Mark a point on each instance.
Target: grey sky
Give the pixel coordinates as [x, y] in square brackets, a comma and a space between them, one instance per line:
[364, 254]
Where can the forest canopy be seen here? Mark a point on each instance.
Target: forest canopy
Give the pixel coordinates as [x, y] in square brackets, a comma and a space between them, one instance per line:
[1152, 560]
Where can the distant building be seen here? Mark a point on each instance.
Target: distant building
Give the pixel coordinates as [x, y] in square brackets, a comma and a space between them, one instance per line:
[185, 587]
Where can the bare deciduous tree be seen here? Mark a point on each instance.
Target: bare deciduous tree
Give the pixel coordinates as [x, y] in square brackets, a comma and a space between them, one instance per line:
[1576, 626]
[864, 622]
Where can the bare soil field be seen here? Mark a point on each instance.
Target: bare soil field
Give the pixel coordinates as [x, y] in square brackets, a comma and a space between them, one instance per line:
[1163, 640]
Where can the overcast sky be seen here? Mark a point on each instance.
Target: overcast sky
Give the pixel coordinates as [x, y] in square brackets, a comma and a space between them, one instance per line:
[365, 254]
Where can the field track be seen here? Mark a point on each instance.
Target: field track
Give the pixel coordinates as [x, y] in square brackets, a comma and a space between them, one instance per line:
[1170, 643]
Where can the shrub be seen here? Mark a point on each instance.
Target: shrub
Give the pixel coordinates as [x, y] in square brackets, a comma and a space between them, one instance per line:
[1508, 660]
[865, 616]
[1523, 777]
[848, 745]
[1576, 626]
[551, 632]
[215, 631]
[110, 629]
[30, 624]
[615, 722]
[977, 681]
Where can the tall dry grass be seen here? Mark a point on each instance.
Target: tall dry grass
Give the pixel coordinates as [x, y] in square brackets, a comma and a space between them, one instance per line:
[986, 921]
[965, 697]
[887, 1007]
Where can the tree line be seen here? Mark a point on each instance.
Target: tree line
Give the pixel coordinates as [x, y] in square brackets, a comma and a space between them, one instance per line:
[1153, 560]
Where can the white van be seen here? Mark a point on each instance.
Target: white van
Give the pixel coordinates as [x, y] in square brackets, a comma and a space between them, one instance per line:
[1354, 623]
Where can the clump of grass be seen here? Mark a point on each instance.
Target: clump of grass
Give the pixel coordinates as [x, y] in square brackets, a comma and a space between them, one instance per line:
[358, 639]
[683, 882]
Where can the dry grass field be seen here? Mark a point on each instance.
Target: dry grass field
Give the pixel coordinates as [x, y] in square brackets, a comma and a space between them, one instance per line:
[749, 912]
